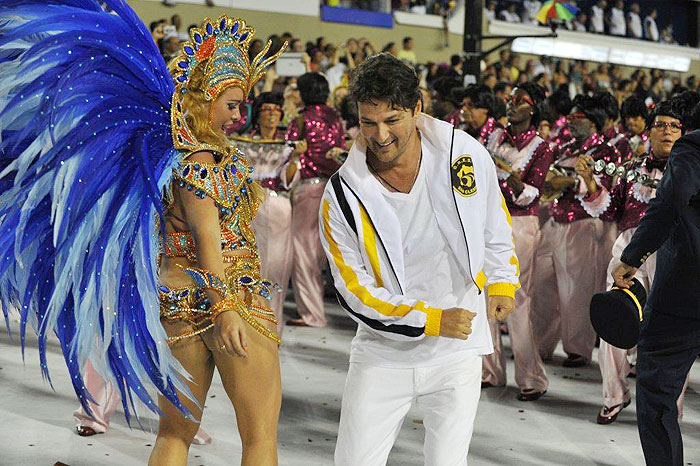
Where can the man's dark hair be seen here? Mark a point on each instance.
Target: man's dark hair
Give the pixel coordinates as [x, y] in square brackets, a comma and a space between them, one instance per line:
[482, 97]
[406, 40]
[385, 78]
[266, 98]
[153, 25]
[538, 96]
[609, 104]
[591, 107]
[313, 88]
[560, 102]
[457, 95]
[634, 106]
[455, 60]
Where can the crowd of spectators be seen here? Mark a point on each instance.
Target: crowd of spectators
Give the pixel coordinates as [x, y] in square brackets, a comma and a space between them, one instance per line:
[615, 18]
[443, 83]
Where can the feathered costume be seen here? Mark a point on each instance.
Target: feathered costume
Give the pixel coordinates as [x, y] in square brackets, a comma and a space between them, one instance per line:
[92, 135]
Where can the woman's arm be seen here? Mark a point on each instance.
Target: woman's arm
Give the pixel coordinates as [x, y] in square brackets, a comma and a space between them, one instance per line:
[202, 216]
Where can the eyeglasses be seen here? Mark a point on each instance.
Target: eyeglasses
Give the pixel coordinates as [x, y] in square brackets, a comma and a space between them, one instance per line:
[270, 108]
[672, 126]
[519, 100]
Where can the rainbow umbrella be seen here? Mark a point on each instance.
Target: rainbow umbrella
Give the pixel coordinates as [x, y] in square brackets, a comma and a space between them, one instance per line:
[556, 9]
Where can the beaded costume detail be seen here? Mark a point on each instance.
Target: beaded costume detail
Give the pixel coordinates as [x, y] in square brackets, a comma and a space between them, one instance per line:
[237, 197]
[221, 47]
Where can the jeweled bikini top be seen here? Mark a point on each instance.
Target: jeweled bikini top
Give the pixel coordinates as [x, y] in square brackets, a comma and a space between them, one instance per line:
[230, 185]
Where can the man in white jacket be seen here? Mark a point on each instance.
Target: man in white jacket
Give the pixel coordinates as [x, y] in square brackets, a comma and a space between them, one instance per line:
[415, 229]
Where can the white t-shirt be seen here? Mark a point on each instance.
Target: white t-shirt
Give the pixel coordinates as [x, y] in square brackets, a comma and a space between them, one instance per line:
[635, 25]
[651, 30]
[431, 274]
[531, 7]
[597, 19]
[509, 17]
[618, 26]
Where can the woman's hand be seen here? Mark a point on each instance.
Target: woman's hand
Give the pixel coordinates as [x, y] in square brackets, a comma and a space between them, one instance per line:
[229, 334]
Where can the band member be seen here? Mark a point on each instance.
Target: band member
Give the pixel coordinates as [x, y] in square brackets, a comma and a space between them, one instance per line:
[522, 159]
[576, 232]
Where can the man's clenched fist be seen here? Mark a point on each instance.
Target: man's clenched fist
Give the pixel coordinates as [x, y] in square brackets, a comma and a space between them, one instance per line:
[456, 323]
[500, 307]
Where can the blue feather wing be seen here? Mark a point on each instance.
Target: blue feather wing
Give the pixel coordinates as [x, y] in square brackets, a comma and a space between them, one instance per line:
[85, 154]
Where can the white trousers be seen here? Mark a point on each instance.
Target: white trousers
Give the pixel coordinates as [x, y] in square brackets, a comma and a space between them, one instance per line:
[376, 400]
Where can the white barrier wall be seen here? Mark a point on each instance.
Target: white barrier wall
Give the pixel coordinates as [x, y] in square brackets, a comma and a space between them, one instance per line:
[295, 7]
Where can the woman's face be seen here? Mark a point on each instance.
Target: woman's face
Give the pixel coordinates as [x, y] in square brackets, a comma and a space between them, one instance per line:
[270, 115]
[226, 110]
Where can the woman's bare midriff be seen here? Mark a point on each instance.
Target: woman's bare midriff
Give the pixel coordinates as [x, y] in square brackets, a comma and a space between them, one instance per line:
[169, 274]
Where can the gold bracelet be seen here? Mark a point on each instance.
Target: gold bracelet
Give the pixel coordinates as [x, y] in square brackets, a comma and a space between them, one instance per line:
[226, 304]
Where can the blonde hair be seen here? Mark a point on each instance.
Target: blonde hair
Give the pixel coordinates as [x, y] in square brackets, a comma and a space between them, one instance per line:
[197, 110]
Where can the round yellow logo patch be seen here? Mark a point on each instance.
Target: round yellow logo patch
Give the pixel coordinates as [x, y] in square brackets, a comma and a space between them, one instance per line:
[463, 178]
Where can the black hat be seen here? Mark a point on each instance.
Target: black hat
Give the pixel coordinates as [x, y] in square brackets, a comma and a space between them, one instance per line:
[616, 314]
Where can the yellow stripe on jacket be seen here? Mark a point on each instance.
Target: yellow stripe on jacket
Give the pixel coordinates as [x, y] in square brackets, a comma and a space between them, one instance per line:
[352, 284]
[370, 241]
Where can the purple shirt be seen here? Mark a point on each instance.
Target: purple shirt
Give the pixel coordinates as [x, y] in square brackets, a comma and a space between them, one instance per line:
[322, 128]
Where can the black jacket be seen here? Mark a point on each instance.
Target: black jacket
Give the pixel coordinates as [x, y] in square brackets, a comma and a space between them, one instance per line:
[672, 226]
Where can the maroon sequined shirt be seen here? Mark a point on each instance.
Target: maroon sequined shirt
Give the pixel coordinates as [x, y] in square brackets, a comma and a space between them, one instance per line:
[560, 133]
[577, 205]
[618, 139]
[529, 154]
[322, 128]
[632, 199]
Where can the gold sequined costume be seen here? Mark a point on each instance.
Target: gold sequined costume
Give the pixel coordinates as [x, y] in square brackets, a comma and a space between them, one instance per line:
[222, 48]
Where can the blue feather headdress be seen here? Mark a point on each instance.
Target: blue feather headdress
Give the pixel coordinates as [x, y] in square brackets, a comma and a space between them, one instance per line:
[86, 151]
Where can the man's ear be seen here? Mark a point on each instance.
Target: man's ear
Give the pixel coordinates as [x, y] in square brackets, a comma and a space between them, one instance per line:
[418, 108]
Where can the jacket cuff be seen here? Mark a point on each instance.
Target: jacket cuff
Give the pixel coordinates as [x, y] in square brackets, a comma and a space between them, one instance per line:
[627, 258]
[502, 289]
[432, 323]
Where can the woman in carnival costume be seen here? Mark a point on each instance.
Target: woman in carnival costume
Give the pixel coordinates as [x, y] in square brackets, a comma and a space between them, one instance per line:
[104, 153]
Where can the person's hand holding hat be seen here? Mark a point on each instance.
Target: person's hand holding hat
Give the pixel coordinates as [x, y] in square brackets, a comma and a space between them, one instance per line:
[623, 275]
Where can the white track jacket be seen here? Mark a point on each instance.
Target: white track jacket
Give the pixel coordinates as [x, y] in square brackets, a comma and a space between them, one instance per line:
[362, 239]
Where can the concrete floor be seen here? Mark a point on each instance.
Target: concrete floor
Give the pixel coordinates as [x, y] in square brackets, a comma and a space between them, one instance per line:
[36, 427]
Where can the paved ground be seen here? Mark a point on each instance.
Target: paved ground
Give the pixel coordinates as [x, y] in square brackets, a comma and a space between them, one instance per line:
[560, 429]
